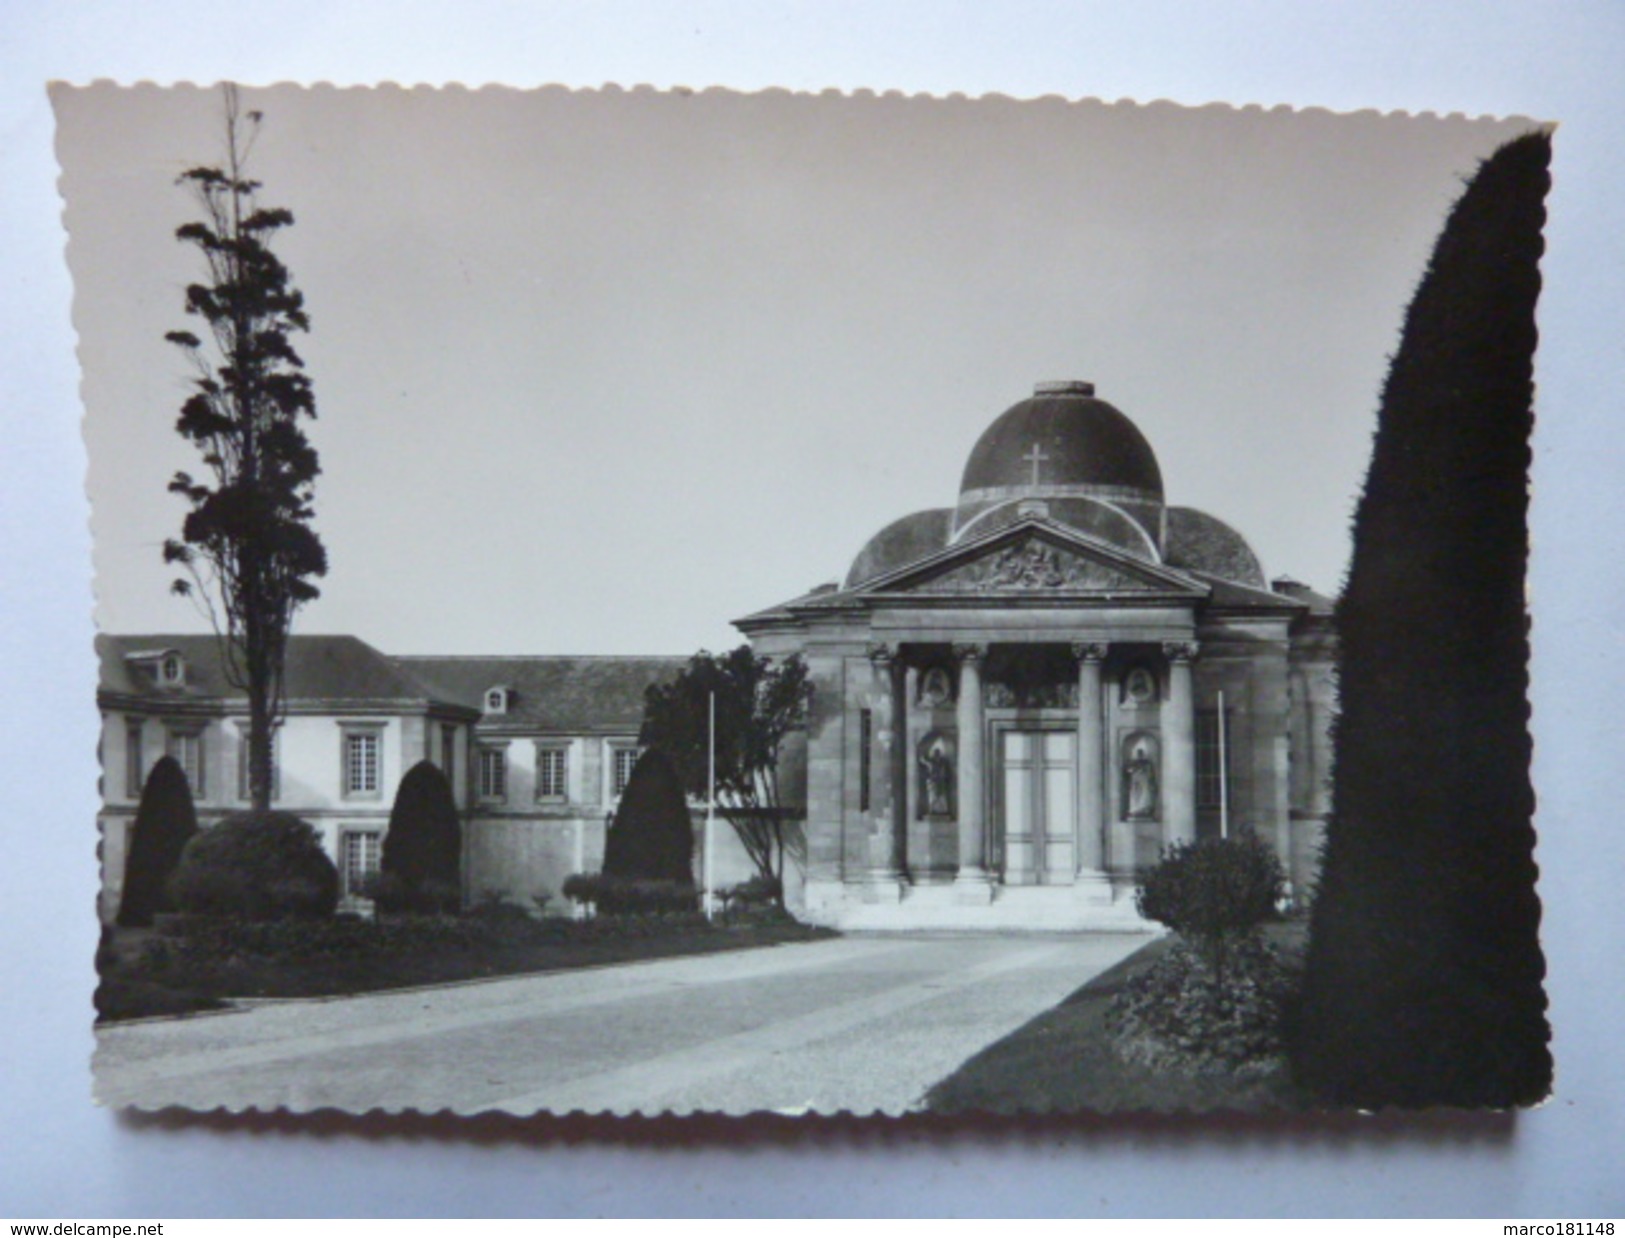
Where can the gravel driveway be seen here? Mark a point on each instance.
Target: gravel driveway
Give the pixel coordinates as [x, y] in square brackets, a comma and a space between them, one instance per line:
[863, 1024]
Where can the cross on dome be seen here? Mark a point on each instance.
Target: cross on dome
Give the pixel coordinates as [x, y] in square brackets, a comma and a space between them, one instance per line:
[1035, 457]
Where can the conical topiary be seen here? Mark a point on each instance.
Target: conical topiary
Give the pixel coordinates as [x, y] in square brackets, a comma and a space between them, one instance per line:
[651, 838]
[1423, 980]
[164, 822]
[422, 859]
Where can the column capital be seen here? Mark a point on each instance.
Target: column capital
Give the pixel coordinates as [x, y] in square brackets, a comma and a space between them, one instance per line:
[972, 651]
[1181, 651]
[881, 653]
[1089, 651]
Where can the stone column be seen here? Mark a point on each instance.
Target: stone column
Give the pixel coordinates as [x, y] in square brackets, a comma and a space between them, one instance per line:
[908, 806]
[972, 876]
[1091, 775]
[1179, 747]
[883, 872]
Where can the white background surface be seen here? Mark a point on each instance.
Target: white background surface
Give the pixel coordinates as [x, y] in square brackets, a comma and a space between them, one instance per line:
[64, 1159]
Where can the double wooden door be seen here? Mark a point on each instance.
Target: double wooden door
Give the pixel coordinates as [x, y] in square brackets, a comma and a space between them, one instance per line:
[1038, 822]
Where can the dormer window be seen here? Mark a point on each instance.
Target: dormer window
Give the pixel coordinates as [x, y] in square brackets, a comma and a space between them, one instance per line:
[162, 668]
[496, 700]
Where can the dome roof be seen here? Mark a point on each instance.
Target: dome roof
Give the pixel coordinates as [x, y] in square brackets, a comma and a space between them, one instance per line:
[1204, 543]
[1061, 442]
[900, 543]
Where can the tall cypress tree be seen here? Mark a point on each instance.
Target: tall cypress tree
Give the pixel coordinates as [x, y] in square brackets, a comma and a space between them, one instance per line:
[1423, 982]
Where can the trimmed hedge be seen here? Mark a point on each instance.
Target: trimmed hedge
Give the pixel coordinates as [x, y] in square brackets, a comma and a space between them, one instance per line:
[623, 896]
[212, 942]
[256, 866]
[1182, 1015]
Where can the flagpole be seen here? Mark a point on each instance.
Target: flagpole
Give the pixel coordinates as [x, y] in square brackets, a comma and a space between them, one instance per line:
[710, 800]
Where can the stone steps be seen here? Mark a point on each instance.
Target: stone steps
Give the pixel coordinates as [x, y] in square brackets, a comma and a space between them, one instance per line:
[1090, 906]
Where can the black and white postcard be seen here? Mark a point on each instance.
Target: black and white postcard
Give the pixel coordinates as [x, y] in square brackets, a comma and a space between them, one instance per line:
[633, 602]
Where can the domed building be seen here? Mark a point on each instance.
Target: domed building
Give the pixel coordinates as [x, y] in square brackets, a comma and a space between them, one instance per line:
[1021, 699]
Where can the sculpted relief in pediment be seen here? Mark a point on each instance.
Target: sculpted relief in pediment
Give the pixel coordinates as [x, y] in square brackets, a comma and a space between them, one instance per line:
[1032, 565]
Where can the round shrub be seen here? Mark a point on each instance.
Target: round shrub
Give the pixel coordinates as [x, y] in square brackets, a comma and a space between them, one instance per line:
[256, 866]
[1213, 889]
[756, 898]
[164, 822]
[423, 850]
[583, 889]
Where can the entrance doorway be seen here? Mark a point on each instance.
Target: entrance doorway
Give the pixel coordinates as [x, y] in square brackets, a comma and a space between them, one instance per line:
[1039, 818]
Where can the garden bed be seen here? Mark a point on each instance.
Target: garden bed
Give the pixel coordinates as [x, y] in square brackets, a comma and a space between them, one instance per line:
[202, 966]
[1063, 1060]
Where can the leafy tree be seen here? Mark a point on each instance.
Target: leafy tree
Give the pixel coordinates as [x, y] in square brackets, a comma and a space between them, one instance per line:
[758, 703]
[164, 823]
[421, 865]
[246, 544]
[1423, 977]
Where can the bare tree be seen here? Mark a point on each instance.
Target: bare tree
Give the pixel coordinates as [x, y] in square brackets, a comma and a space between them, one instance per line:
[246, 544]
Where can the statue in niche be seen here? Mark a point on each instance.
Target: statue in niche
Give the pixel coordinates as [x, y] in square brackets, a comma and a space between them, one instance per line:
[1140, 779]
[935, 688]
[936, 764]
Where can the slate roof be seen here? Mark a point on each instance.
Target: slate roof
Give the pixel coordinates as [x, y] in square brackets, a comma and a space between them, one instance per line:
[900, 543]
[318, 668]
[1204, 543]
[1228, 595]
[560, 694]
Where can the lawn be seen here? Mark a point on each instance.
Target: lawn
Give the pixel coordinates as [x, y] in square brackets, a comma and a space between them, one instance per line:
[144, 974]
[1062, 1061]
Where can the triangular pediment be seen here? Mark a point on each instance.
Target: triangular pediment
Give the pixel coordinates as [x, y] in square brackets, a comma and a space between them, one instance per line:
[1035, 557]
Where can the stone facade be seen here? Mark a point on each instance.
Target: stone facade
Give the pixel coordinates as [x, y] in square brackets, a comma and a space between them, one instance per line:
[1019, 702]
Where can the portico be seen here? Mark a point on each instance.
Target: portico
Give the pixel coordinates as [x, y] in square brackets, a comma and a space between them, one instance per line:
[1020, 701]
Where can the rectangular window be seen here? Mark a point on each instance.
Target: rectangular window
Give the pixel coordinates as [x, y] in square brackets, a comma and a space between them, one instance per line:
[1209, 785]
[361, 752]
[135, 766]
[187, 749]
[866, 739]
[493, 774]
[625, 759]
[448, 751]
[243, 792]
[358, 854]
[550, 771]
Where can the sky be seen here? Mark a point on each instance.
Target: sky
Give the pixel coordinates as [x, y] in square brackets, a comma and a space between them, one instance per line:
[601, 371]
